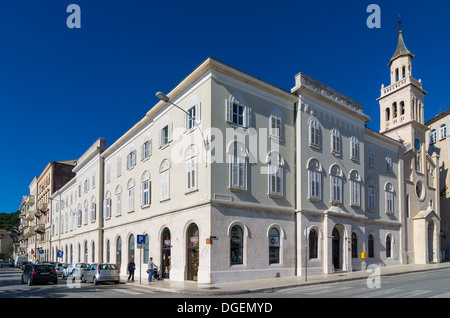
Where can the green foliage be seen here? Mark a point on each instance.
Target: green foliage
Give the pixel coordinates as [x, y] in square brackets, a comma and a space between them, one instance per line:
[9, 221]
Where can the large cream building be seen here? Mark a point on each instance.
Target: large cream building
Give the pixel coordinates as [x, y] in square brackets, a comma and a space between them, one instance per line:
[232, 178]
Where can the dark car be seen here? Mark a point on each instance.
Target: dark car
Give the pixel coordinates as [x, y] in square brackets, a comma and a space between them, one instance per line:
[39, 273]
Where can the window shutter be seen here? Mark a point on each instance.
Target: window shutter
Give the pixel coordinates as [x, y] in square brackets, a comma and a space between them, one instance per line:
[160, 137]
[170, 132]
[141, 194]
[228, 116]
[197, 113]
[248, 117]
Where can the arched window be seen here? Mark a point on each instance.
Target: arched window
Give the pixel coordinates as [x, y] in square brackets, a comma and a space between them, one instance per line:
[433, 136]
[314, 137]
[442, 131]
[394, 110]
[336, 184]
[93, 252]
[236, 251]
[315, 180]
[164, 173]
[402, 108]
[335, 141]
[388, 161]
[371, 246]
[371, 194]
[354, 245]
[274, 246]
[389, 196]
[388, 114]
[276, 164]
[118, 200]
[313, 246]
[86, 252]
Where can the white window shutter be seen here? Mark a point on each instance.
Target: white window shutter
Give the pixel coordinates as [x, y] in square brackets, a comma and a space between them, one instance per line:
[197, 113]
[141, 195]
[170, 133]
[185, 121]
[228, 116]
[160, 137]
[248, 117]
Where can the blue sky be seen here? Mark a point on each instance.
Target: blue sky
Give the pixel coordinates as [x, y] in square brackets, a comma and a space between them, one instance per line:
[61, 88]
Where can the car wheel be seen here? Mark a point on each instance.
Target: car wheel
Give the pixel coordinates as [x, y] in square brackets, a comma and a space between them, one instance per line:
[95, 281]
[83, 280]
[30, 283]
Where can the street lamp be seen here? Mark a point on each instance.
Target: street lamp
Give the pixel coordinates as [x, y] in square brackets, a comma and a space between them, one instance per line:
[166, 99]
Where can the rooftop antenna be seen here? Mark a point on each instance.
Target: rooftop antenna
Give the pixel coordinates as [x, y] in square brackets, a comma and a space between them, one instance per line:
[399, 23]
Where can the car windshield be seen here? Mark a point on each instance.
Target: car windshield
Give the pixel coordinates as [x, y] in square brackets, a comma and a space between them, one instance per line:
[108, 266]
[82, 265]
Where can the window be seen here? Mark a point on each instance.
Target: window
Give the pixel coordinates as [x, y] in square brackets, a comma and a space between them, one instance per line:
[388, 114]
[402, 108]
[433, 136]
[371, 246]
[130, 190]
[238, 166]
[86, 212]
[371, 194]
[388, 162]
[315, 180]
[119, 252]
[145, 190]
[389, 193]
[274, 246]
[86, 185]
[336, 185]
[237, 113]
[370, 156]
[442, 131]
[355, 189]
[191, 174]
[335, 141]
[107, 205]
[314, 137]
[93, 208]
[394, 110]
[146, 149]
[119, 166]
[236, 251]
[275, 174]
[275, 126]
[192, 114]
[165, 185]
[108, 172]
[354, 148]
[165, 134]
[131, 158]
[118, 200]
[313, 246]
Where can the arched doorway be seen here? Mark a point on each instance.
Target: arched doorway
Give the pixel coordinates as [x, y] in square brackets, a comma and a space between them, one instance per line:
[165, 253]
[430, 241]
[192, 242]
[336, 250]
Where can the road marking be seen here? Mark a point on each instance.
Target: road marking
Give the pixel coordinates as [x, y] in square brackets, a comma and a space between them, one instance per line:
[410, 294]
[379, 292]
[126, 291]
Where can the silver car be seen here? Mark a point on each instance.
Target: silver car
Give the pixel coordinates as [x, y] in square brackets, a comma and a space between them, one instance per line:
[76, 270]
[103, 272]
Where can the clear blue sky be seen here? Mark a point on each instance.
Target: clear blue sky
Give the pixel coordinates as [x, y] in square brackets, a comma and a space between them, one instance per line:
[61, 88]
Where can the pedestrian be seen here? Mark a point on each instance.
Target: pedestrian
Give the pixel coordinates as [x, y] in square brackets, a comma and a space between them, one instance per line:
[131, 269]
[151, 267]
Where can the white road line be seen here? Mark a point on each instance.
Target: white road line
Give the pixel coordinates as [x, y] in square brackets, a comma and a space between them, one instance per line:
[380, 292]
[410, 294]
[126, 291]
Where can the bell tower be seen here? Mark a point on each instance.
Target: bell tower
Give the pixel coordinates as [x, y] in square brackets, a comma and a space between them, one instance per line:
[401, 103]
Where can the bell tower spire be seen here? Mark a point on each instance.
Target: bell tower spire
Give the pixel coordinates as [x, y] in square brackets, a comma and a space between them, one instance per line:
[401, 102]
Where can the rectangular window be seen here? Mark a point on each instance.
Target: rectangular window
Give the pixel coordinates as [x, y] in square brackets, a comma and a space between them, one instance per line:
[275, 179]
[336, 189]
[275, 126]
[355, 193]
[131, 159]
[191, 118]
[238, 173]
[107, 208]
[371, 197]
[131, 199]
[389, 202]
[165, 185]
[119, 204]
[146, 149]
[237, 114]
[315, 185]
[191, 174]
[145, 193]
[93, 212]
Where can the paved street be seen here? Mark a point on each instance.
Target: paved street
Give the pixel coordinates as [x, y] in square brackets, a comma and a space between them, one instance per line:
[426, 284]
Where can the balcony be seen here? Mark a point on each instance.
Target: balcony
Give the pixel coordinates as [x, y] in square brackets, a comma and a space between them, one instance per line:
[43, 208]
[29, 231]
[29, 215]
[39, 228]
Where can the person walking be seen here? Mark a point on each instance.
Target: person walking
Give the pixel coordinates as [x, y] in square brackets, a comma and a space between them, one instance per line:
[151, 267]
[131, 269]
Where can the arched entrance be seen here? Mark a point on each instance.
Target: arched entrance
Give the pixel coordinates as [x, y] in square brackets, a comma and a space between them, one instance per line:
[336, 249]
[431, 227]
[192, 242]
[165, 253]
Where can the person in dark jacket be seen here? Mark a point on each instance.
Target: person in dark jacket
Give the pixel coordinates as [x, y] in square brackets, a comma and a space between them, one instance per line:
[131, 268]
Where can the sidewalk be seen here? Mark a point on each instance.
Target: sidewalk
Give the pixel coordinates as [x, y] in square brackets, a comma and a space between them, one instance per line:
[273, 284]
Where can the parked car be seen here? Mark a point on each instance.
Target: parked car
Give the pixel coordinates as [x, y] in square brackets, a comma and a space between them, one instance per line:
[76, 270]
[58, 268]
[4, 264]
[67, 270]
[97, 273]
[24, 265]
[39, 273]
